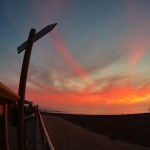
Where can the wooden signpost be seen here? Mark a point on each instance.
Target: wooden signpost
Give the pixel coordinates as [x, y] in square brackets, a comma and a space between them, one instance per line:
[37, 36]
[27, 45]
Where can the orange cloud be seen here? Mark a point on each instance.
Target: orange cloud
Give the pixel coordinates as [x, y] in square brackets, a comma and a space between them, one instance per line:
[81, 102]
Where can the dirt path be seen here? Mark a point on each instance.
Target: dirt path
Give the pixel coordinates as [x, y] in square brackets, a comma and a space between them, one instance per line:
[68, 136]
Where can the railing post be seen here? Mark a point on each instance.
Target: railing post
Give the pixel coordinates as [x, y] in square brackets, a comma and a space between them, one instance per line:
[4, 143]
[21, 92]
[6, 124]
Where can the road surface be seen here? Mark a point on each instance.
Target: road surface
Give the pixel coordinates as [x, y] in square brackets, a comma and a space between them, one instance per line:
[68, 136]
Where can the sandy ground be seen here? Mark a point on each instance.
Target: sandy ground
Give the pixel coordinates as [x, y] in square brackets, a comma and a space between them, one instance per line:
[68, 136]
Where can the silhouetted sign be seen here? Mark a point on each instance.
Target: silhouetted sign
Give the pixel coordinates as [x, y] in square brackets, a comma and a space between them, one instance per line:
[38, 35]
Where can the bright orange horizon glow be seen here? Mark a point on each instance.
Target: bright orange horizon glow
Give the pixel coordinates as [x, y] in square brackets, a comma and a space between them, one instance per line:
[122, 96]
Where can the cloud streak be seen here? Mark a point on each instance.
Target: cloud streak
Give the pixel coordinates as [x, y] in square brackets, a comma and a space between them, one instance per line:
[137, 37]
[57, 43]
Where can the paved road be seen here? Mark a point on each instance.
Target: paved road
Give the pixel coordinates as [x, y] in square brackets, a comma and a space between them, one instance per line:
[68, 136]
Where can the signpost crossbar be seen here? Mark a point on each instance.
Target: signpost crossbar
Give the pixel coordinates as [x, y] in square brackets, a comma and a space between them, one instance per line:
[37, 36]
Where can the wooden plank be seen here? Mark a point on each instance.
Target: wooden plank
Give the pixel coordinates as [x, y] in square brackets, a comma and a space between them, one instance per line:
[7, 94]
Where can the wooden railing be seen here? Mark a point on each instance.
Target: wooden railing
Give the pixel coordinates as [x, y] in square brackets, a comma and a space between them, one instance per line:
[47, 144]
[7, 96]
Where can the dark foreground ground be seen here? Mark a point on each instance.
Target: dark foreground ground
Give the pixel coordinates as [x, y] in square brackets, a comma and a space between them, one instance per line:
[134, 128]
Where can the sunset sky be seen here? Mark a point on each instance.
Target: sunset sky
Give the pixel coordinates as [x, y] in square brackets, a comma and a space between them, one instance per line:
[95, 61]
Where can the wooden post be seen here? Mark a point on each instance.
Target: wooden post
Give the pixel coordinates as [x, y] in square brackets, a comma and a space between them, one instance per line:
[6, 125]
[4, 143]
[21, 92]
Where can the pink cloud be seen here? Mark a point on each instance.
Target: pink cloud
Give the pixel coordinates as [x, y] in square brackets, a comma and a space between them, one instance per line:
[58, 44]
[137, 36]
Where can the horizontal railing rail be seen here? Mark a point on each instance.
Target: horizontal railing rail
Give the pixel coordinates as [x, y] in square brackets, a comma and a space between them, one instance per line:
[7, 95]
[30, 116]
[50, 145]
